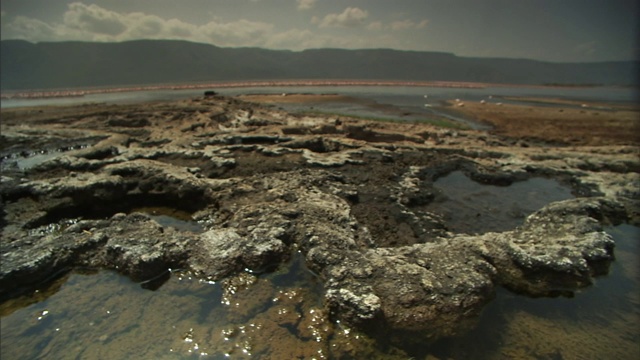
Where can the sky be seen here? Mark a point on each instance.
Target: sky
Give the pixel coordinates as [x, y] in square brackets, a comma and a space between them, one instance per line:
[548, 30]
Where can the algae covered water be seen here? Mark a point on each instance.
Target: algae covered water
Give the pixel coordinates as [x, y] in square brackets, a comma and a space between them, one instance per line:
[103, 315]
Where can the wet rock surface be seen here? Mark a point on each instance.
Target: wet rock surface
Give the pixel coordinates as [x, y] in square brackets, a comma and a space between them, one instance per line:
[352, 196]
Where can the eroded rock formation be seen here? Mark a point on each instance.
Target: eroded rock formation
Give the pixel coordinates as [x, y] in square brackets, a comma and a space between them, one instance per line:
[350, 195]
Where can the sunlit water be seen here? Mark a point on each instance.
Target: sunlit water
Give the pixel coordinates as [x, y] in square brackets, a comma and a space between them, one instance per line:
[168, 217]
[102, 315]
[25, 161]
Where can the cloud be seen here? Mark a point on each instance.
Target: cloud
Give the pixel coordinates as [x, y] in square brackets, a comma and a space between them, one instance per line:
[400, 25]
[350, 17]
[27, 29]
[305, 4]
[94, 19]
[301, 39]
[238, 33]
[94, 23]
[408, 25]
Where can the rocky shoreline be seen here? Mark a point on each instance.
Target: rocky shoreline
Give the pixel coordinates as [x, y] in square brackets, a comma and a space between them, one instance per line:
[350, 195]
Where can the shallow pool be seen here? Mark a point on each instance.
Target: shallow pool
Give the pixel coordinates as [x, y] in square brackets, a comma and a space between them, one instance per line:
[102, 315]
[473, 208]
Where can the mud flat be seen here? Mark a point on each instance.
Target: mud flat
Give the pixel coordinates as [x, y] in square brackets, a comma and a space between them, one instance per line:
[297, 98]
[566, 123]
[351, 197]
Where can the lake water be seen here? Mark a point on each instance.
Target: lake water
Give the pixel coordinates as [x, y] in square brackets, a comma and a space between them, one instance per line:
[403, 96]
[405, 103]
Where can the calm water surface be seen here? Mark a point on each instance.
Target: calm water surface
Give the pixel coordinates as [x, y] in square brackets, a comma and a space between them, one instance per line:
[473, 208]
[408, 96]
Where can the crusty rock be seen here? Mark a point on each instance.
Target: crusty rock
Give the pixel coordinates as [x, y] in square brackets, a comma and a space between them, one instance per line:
[331, 193]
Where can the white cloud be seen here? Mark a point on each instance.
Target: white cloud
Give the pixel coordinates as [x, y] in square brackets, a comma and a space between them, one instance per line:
[94, 23]
[297, 39]
[407, 25]
[177, 29]
[305, 4]
[29, 29]
[350, 17]
[94, 19]
[399, 25]
[238, 33]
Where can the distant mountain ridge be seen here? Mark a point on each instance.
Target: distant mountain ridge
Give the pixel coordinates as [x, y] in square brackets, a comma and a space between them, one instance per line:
[48, 65]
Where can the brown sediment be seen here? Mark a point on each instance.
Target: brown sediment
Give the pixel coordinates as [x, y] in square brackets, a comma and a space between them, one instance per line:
[586, 104]
[588, 125]
[297, 98]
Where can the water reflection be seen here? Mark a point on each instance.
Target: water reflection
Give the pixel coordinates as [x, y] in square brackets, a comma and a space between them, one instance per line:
[470, 207]
[27, 160]
[170, 217]
[105, 315]
[280, 315]
[600, 322]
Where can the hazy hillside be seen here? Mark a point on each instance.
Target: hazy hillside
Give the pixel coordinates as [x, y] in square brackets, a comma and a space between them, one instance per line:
[24, 65]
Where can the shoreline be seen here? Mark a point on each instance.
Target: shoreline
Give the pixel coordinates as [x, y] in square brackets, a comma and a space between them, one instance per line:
[82, 91]
[39, 93]
[565, 124]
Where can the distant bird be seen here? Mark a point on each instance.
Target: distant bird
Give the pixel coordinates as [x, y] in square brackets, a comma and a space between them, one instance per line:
[482, 101]
[426, 96]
